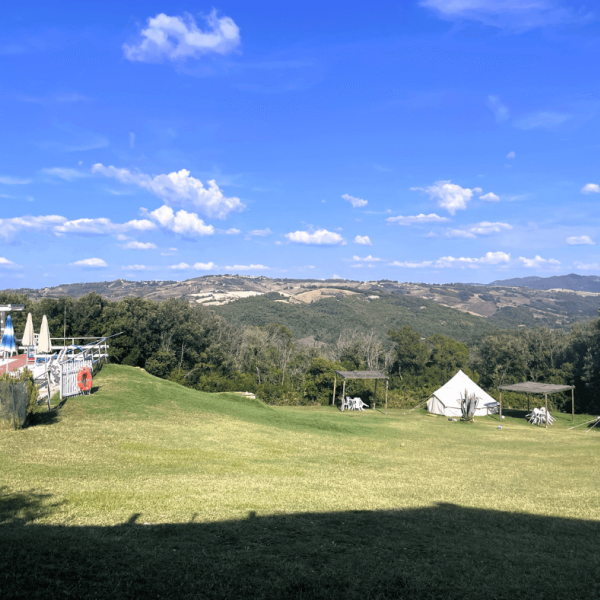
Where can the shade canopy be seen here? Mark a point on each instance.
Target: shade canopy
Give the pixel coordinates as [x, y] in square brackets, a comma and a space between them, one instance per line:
[44, 342]
[28, 334]
[532, 387]
[8, 344]
[446, 400]
[361, 375]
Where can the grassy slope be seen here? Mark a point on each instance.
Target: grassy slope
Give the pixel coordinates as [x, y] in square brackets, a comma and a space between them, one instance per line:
[239, 499]
[327, 318]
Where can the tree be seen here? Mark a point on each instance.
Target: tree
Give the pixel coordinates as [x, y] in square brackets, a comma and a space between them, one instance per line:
[411, 353]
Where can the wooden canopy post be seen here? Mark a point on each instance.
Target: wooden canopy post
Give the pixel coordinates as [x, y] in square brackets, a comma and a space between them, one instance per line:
[386, 390]
[501, 405]
[334, 385]
[343, 392]
[572, 404]
[375, 398]
[527, 402]
[547, 419]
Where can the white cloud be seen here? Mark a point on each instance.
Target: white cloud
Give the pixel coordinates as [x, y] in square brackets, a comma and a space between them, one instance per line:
[366, 259]
[587, 267]
[4, 262]
[511, 154]
[500, 111]
[131, 139]
[356, 202]
[321, 237]
[483, 228]
[363, 240]
[538, 262]
[65, 173]
[11, 227]
[514, 15]
[490, 197]
[178, 38]
[13, 180]
[95, 263]
[135, 268]
[196, 266]
[178, 188]
[232, 231]
[541, 120]
[411, 265]
[139, 246]
[415, 219]
[490, 258]
[102, 226]
[580, 240]
[247, 268]
[590, 188]
[260, 232]
[182, 222]
[449, 195]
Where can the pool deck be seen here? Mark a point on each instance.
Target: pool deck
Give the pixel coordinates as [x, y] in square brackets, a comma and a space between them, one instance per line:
[14, 363]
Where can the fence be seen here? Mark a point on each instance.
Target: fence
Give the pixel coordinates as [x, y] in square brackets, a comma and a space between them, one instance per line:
[14, 401]
[68, 376]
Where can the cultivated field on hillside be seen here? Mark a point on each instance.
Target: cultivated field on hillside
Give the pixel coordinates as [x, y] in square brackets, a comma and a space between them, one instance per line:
[147, 489]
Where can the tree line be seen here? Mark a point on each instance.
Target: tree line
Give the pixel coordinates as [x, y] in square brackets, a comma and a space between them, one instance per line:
[193, 346]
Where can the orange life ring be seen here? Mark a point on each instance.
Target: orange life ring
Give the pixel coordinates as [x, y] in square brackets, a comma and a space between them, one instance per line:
[84, 379]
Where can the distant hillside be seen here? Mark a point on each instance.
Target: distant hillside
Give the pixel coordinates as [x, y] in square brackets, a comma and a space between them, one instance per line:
[577, 283]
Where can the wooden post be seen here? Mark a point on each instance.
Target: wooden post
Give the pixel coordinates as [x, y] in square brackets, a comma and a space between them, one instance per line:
[375, 398]
[334, 385]
[546, 399]
[501, 405]
[386, 390]
[572, 404]
[343, 393]
[527, 402]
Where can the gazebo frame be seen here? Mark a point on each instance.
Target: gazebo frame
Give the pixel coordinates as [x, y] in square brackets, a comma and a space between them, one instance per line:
[376, 375]
[532, 387]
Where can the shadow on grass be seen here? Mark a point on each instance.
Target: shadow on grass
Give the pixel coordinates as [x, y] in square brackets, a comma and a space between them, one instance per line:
[43, 416]
[440, 552]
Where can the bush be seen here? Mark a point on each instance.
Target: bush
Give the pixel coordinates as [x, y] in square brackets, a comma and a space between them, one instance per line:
[32, 391]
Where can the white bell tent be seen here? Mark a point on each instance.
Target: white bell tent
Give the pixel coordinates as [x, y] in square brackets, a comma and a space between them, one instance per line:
[446, 400]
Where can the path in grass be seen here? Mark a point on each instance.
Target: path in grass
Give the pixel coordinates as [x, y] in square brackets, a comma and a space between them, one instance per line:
[150, 447]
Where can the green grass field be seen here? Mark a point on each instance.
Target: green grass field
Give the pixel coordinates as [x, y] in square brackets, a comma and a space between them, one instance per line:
[148, 489]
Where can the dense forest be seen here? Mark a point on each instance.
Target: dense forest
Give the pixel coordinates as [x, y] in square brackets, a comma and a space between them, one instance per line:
[199, 348]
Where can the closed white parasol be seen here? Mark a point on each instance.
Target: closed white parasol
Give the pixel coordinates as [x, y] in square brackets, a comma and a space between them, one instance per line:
[44, 343]
[28, 334]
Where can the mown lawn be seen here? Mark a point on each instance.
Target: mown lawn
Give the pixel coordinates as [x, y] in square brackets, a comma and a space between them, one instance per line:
[149, 489]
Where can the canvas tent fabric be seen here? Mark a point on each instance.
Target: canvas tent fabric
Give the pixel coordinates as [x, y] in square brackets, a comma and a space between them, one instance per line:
[446, 400]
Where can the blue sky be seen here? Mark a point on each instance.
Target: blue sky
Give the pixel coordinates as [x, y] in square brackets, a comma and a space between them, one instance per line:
[432, 140]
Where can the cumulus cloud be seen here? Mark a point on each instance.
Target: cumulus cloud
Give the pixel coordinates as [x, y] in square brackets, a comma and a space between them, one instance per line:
[135, 268]
[483, 228]
[101, 226]
[196, 266]
[490, 197]
[179, 38]
[500, 111]
[511, 154]
[538, 262]
[247, 268]
[366, 259]
[590, 188]
[580, 240]
[4, 262]
[587, 266]
[9, 228]
[490, 258]
[449, 195]
[139, 246]
[411, 265]
[363, 240]
[260, 232]
[321, 237]
[356, 202]
[512, 15]
[93, 263]
[415, 219]
[182, 222]
[178, 188]
[232, 231]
